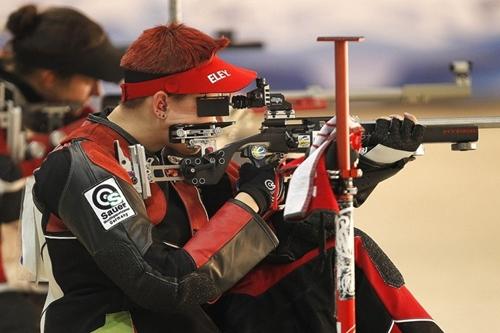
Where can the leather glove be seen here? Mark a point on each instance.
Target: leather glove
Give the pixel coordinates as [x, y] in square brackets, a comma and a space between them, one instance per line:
[258, 183]
[394, 139]
[386, 152]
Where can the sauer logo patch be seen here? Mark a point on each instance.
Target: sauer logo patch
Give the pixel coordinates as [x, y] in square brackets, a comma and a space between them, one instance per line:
[108, 203]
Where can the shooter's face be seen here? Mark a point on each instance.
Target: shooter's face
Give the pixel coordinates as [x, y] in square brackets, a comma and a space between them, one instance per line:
[74, 89]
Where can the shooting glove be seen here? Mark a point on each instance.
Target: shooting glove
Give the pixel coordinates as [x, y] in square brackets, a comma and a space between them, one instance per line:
[393, 140]
[258, 183]
[386, 152]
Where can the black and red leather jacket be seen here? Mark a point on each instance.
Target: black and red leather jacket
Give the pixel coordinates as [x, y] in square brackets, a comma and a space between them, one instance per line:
[150, 264]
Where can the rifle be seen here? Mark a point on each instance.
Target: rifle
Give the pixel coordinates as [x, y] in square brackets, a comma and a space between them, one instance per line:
[14, 121]
[461, 132]
[281, 133]
[11, 123]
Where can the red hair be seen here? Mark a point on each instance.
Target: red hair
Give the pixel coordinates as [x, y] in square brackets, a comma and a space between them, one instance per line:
[170, 49]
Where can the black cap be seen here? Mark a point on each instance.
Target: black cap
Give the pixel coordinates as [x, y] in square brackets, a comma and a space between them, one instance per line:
[100, 62]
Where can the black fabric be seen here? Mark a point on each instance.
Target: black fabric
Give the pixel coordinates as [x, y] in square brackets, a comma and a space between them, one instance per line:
[147, 288]
[174, 228]
[100, 62]
[176, 322]
[10, 203]
[301, 302]
[90, 297]
[299, 237]
[419, 327]
[213, 202]
[52, 176]
[373, 174]
[168, 261]
[386, 268]
[131, 76]
[296, 238]
[371, 314]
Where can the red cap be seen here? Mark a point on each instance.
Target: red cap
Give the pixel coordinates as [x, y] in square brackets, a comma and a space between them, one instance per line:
[213, 76]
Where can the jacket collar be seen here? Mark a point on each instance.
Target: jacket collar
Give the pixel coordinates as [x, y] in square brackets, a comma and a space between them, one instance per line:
[102, 119]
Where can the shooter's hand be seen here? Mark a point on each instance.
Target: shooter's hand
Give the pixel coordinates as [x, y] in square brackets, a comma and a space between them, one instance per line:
[395, 138]
[258, 183]
[391, 146]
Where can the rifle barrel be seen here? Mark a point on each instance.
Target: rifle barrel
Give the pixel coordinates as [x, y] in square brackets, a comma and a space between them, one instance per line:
[481, 122]
[450, 129]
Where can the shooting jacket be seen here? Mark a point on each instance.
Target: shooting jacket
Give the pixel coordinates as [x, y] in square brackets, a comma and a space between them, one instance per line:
[116, 261]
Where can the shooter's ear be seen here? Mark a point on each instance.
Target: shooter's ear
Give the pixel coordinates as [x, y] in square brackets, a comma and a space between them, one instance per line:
[160, 106]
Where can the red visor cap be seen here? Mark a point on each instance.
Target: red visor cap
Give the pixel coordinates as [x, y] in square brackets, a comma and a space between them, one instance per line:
[214, 76]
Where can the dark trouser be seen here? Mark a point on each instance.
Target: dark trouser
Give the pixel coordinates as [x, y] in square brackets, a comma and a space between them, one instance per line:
[299, 297]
